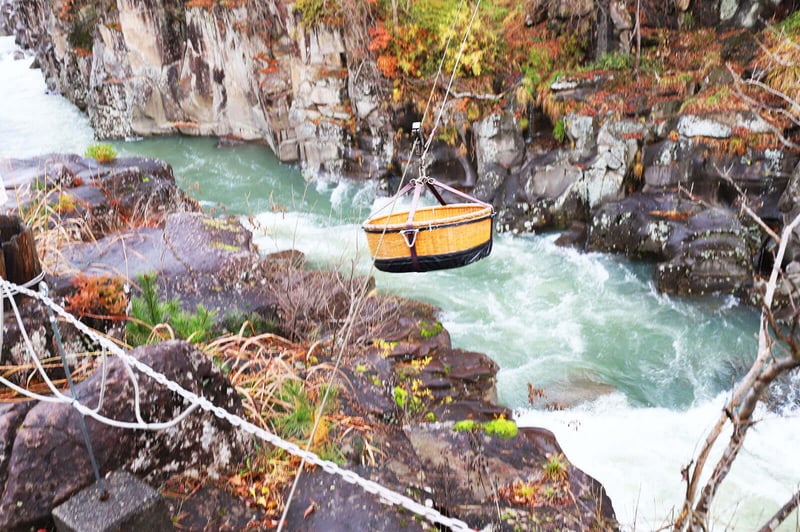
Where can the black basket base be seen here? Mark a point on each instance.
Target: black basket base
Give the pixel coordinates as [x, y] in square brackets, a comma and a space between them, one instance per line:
[435, 262]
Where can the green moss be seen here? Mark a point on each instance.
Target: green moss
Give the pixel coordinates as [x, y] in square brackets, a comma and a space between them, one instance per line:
[313, 12]
[81, 31]
[791, 25]
[537, 67]
[466, 425]
[430, 330]
[400, 397]
[615, 61]
[225, 247]
[504, 428]
[559, 133]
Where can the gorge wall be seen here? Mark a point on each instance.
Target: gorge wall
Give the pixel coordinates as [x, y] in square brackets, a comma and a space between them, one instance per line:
[252, 72]
[656, 168]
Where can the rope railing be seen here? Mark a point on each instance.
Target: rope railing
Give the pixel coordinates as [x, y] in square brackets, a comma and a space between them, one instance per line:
[195, 401]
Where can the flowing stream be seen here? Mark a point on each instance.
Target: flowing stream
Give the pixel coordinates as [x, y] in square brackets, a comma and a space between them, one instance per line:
[632, 379]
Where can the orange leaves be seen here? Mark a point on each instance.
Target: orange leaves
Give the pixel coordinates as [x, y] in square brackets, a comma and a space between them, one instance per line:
[206, 4]
[387, 64]
[271, 68]
[271, 64]
[68, 10]
[672, 214]
[380, 38]
[97, 296]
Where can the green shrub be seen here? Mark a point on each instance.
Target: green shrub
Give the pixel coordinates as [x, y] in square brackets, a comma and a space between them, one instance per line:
[503, 428]
[81, 29]
[249, 324]
[791, 24]
[466, 425]
[296, 419]
[615, 61]
[102, 153]
[147, 312]
[432, 330]
[559, 133]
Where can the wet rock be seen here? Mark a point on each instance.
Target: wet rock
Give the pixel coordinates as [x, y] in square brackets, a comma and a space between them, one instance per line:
[499, 142]
[11, 417]
[465, 470]
[633, 227]
[50, 433]
[466, 474]
[213, 508]
[345, 506]
[580, 129]
[789, 206]
[104, 196]
[574, 237]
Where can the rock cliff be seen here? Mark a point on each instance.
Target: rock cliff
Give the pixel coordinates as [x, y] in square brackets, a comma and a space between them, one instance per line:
[249, 71]
[656, 125]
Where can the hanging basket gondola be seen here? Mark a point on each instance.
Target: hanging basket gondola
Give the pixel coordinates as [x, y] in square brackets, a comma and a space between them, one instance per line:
[430, 238]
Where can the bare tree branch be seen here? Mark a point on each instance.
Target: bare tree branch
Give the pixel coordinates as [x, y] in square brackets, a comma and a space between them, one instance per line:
[784, 512]
[793, 116]
[693, 512]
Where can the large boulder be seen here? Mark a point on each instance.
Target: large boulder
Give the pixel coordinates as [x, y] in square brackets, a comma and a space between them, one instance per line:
[48, 460]
[489, 481]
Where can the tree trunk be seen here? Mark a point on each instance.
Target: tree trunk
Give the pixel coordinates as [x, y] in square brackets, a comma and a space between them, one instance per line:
[20, 262]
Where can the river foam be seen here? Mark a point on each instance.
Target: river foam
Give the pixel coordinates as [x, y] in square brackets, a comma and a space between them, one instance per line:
[33, 122]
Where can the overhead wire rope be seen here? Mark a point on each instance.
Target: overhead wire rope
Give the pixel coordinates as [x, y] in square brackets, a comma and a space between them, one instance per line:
[355, 308]
[197, 401]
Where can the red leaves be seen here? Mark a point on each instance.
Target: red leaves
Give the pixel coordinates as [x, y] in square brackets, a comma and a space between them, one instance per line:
[380, 38]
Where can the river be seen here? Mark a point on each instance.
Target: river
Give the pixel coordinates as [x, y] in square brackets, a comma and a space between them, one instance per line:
[644, 375]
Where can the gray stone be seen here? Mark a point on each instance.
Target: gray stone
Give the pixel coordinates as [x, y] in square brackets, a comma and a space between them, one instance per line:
[498, 142]
[580, 130]
[49, 463]
[702, 126]
[131, 505]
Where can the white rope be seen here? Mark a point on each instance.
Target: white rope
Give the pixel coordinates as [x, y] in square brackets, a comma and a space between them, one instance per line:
[7, 290]
[452, 79]
[441, 63]
[387, 495]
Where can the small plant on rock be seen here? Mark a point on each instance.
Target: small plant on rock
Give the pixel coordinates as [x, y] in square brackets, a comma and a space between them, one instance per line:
[430, 330]
[555, 468]
[102, 153]
[502, 427]
[97, 296]
[149, 317]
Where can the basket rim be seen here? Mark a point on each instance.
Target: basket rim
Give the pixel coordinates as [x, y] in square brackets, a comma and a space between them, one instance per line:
[372, 224]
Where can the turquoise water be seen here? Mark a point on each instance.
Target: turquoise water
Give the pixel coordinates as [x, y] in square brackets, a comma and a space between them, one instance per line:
[642, 376]
[550, 316]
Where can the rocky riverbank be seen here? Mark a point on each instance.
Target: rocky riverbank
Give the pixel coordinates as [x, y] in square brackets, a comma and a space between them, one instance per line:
[409, 410]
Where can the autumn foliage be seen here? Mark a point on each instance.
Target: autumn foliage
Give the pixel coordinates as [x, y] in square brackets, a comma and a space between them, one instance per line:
[97, 296]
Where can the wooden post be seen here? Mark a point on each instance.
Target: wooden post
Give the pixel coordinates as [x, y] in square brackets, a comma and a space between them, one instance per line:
[19, 262]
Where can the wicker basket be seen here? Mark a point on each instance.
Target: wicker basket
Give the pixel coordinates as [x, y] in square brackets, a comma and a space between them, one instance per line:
[440, 237]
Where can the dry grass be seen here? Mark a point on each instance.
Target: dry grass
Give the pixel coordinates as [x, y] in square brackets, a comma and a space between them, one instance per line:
[43, 212]
[262, 368]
